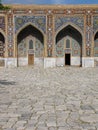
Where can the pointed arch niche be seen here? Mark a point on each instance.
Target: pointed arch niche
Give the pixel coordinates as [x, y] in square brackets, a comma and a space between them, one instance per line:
[2, 49]
[96, 49]
[30, 45]
[69, 46]
[96, 45]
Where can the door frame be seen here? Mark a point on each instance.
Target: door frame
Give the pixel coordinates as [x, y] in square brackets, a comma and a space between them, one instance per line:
[69, 59]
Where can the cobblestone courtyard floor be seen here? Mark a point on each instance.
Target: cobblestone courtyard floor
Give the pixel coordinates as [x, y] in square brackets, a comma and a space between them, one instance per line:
[62, 98]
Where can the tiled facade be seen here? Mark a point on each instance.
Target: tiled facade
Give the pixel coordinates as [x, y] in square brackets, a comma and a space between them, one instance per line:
[54, 30]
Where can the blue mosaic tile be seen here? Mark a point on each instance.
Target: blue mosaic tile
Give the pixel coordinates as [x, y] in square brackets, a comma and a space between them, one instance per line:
[59, 21]
[2, 23]
[95, 23]
[38, 21]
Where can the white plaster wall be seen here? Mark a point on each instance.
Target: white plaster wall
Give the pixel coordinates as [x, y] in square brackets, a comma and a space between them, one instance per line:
[10, 62]
[60, 61]
[75, 61]
[22, 61]
[2, 58]
[39, 61]
[87, 61]
[49, 62]
[96, 58]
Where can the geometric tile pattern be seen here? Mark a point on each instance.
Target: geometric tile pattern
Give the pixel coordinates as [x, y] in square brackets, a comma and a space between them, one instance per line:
[96, 48]
[23, 48]
[38, 21]
[2, 23]
[95, 23]
[59, 21]
[75, 47]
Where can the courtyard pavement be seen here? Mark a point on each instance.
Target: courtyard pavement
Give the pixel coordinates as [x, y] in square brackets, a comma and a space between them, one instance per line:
[62, 98]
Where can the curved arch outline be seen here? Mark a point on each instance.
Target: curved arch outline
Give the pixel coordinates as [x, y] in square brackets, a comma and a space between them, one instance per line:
[26, 25]
[75, 27]
[3, 33]
[23, 27]
[95, 33]
[71, 24]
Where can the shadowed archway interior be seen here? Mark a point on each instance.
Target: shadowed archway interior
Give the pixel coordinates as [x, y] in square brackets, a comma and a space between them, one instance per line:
[2, 38]
[96, 45]
[30, 45]
[69, 46]
[96, 36]
[69, 31]
[30, 30]
[2, 42]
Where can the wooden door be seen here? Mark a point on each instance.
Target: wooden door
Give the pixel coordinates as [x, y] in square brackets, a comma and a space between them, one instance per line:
[31, 59]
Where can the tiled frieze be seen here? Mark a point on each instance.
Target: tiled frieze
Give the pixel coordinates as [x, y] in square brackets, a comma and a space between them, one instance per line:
[10, 35]
[36, 11]
[30, 11]
[95, 11]
[95, 23]
[79, 11]
[2, 23]
[19, 11]
[69, 11]
[49, 34]
[89, 31]
[2, 50]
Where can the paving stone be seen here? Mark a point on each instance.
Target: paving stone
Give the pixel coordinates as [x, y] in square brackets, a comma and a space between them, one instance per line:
[52, 128]
[63, 128]
[21, 128]
[42, 128]
[9, 129]
[89, 118]
[30, 128]
[62, 98]
[86, 107]
[51, 124]
[61, 107]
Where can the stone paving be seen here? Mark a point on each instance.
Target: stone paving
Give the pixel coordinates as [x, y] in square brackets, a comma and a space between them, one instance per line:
[62, 98]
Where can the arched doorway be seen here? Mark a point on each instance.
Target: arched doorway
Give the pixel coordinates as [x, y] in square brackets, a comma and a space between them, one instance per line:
[30, 46]
[69, 46]
[2, 50]
[96, 49]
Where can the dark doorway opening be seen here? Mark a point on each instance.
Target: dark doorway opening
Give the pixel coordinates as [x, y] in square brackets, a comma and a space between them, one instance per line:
[67, 59]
